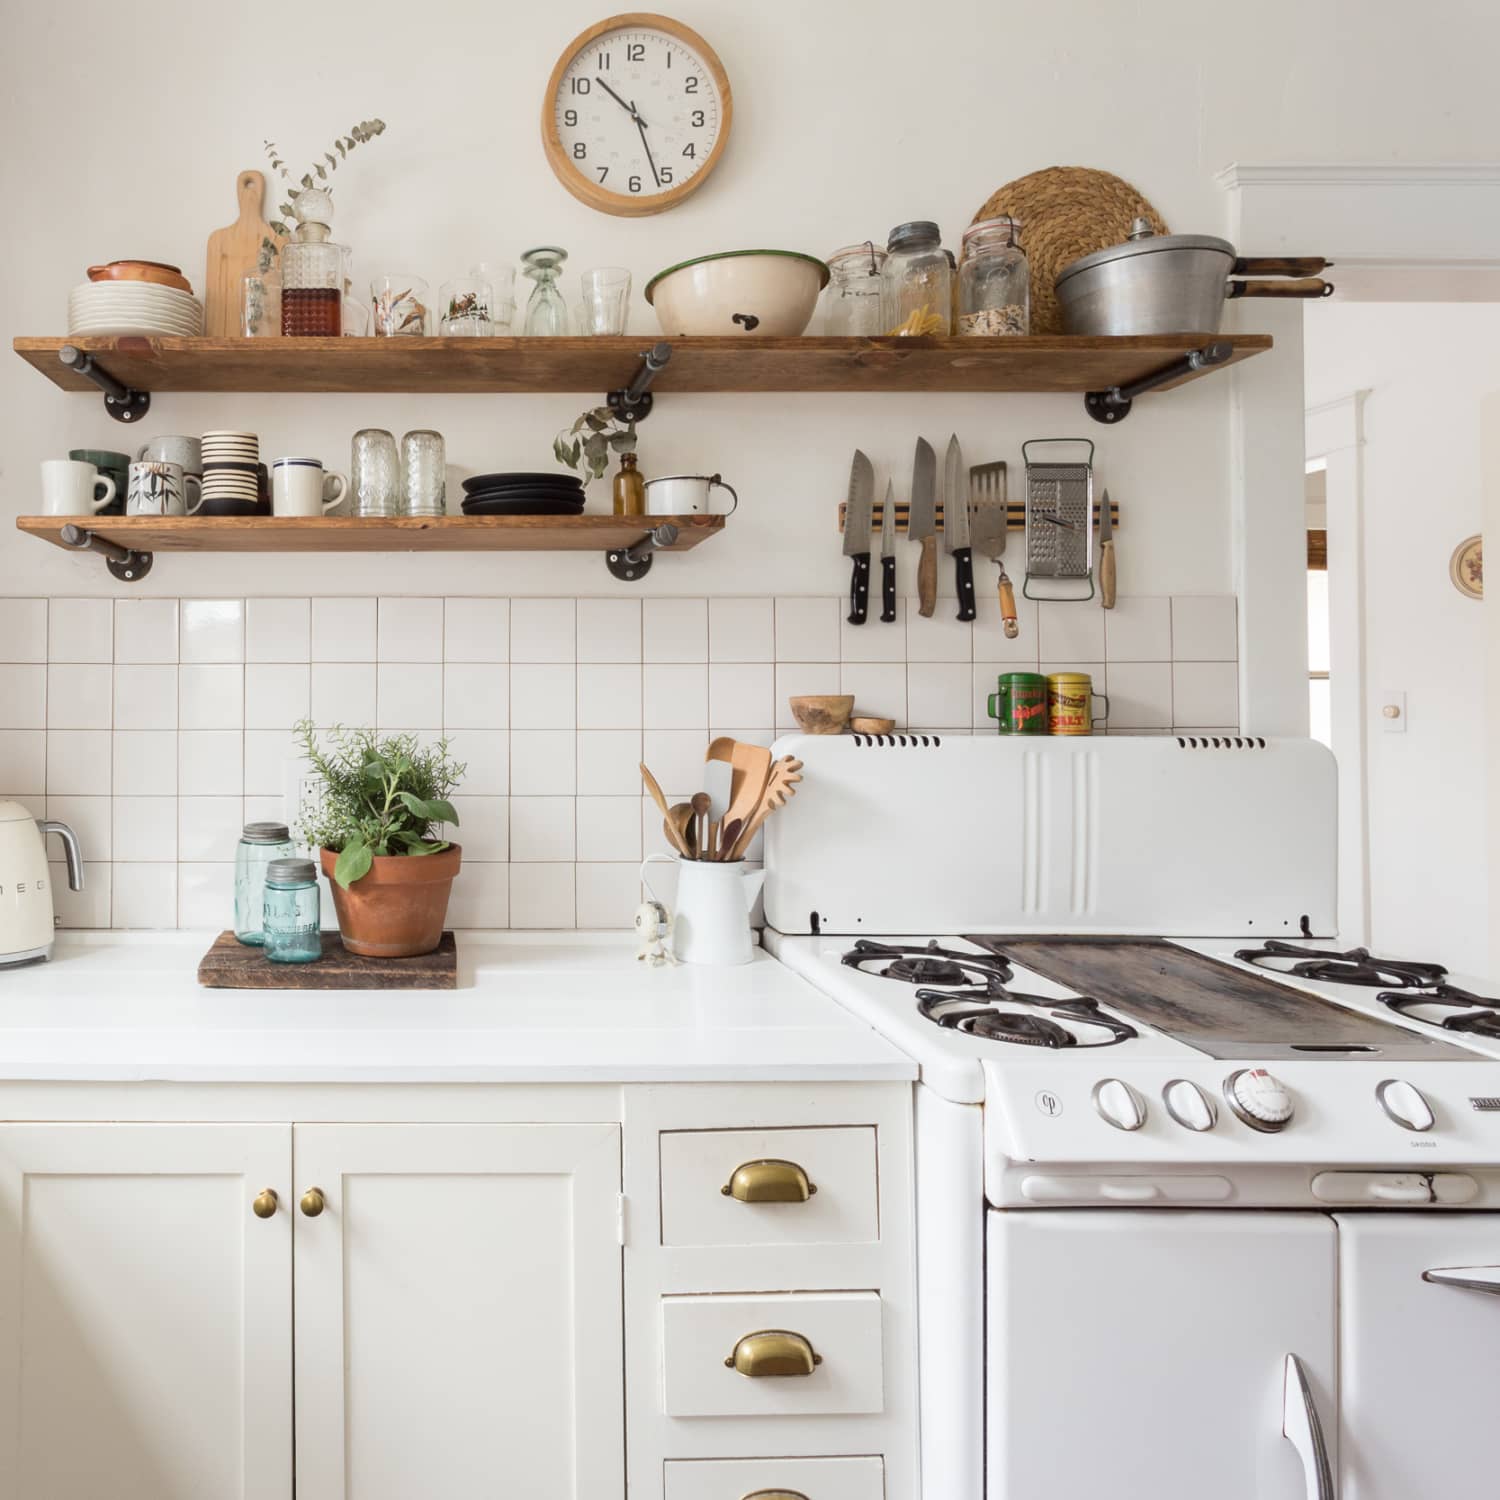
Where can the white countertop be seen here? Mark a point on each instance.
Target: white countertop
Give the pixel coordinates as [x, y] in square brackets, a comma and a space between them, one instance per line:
[531, 1007]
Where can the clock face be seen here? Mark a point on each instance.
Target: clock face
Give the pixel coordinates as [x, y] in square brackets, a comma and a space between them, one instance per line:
[637, 114]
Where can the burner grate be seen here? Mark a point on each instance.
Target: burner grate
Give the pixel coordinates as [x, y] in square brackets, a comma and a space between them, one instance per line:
[1026, 1028]
[1479, 1015]
[974, 974]
[1353, 966]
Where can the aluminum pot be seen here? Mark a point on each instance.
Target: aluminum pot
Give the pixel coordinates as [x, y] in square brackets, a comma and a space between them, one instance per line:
[1172, 283]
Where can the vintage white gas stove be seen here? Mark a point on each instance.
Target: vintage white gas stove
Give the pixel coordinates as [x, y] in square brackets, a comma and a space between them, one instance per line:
[1206, 1206]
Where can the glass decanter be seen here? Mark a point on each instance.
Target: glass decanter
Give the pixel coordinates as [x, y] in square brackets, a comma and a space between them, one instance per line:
[546, 312]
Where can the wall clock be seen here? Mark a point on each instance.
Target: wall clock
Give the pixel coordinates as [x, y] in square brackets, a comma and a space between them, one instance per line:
[636, 115]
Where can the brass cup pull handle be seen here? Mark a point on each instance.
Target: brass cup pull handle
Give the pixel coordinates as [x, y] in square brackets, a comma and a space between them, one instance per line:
[769, 1181]
[773, 1351]
[774, 1495]
[312, 1203]
[265, 1203]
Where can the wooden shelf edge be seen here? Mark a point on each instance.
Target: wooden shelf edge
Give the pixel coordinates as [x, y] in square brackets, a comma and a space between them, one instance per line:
[357, 534]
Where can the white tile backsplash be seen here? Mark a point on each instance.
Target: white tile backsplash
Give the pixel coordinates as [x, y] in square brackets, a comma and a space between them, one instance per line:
[157, 727]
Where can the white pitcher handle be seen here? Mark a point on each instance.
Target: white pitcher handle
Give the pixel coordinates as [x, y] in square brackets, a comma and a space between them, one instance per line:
[655, 859]
[716, 479]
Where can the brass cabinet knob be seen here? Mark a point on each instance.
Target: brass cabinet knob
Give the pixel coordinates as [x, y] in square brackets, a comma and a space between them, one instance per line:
[774, 1495]
[773, 1351]
[265, 1203]
[312, 1203]
[769, 1181]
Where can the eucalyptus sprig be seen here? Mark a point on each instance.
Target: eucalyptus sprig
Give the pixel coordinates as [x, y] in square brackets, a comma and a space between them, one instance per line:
[587, 443]
[322, 172]
[376, 797]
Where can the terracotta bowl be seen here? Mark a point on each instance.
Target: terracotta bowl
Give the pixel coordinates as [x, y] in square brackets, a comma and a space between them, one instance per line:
[154, 271]
[824, 713]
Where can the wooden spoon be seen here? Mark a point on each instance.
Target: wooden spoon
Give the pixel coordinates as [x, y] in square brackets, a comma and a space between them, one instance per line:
[785, 775]
[680, 821]
[728, 833]
[654, 788]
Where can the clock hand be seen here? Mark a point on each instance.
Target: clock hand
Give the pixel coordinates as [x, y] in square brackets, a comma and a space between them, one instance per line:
[628, 108]
[640, 125]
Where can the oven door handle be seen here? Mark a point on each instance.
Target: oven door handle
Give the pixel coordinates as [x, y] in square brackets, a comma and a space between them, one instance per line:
[1302, 1429]
[1471, 1278]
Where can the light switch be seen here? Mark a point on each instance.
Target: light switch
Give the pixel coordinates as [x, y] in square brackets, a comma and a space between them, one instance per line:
[1393, 711]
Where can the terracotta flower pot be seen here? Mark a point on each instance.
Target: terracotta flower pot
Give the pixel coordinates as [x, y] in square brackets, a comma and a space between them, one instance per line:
[397, 909]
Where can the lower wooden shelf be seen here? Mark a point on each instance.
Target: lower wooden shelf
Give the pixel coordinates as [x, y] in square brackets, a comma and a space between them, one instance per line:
[355, 534]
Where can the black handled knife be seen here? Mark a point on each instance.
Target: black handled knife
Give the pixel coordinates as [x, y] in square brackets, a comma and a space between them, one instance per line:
[857, 516]
[956, 527]
[888, 556]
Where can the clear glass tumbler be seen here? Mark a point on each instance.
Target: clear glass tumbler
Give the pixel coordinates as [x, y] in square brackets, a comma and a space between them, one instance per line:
[399, 305]
[375, 473]
[293, 918]
[260, 305]
[424, 474]
[259, 845]
[605, 303]
[464, 308]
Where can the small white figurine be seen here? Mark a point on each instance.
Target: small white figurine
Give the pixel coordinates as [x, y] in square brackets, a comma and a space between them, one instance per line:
[653, 927]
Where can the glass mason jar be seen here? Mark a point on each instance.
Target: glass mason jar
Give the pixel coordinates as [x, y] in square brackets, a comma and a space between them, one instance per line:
[424, 474]
[916, 294]
[375, 473]
[851, 305]
[293, 919]
[259, 845]
[312, 273]
[994, 281]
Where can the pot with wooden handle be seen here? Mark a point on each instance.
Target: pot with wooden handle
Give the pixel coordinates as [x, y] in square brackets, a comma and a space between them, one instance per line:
[1173, 283]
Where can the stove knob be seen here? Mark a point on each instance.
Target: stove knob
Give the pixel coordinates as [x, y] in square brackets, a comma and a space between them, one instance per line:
[1260, 1100]
[1119, 1104]
[1189, 1105]
[1404, 1103]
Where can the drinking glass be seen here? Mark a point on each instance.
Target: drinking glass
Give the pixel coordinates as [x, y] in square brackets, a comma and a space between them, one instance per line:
[260, 305]
[546, 312]
[605, 302]
[502, 280]
[399, 305]
[424, 474]
[464, 308]
[375, 473]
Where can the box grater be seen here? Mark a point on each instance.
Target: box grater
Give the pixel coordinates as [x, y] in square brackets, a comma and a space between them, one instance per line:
[1059, 511]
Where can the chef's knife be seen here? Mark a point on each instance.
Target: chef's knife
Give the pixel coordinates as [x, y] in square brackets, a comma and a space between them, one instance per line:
[921, 524]
[992, 531]
[1106, 537]
[956, 526]
[888, 556]
[857, 534]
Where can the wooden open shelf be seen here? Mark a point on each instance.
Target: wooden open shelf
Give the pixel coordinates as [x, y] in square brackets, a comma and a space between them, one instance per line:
[350, 534]
[596, 365]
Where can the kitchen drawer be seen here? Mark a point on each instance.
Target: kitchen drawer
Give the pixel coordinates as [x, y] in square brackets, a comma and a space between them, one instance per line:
[700, 1336]
[838, 1162]
[805, 1478]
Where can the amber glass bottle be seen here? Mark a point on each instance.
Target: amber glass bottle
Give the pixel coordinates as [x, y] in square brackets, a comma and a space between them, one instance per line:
[630, 488]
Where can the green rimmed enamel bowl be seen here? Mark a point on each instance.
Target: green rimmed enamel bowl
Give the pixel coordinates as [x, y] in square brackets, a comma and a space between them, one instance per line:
[768, 293]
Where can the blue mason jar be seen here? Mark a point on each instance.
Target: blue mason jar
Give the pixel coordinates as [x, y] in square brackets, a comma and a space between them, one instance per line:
[293, 918]
[259, 845]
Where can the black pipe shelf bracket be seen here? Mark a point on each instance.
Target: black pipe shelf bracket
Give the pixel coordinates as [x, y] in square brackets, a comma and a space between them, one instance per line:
[120, 401]
[631, 564]
[632, 403]
[1113, 405]
[127, 566]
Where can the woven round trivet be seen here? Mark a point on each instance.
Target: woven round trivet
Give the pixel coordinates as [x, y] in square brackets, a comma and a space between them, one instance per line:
[1065, 213]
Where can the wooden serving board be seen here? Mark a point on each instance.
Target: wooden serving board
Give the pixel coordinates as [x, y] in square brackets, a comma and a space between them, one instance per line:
[230, 965]
[234, 253]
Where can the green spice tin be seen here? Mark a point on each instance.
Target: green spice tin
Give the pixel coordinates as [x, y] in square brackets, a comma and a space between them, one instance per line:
[1019, 703]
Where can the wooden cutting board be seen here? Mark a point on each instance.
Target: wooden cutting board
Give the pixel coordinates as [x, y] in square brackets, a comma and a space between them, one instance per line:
[234, 253]
[230, 965]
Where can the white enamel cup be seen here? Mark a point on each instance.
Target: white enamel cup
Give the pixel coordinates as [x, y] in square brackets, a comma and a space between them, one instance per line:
[687, 495]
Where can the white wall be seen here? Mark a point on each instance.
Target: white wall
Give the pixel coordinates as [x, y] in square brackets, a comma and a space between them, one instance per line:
[1427, 368]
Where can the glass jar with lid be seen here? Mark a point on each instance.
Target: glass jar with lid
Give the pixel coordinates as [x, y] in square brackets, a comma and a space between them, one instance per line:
[260, 843]
[293, 912]
[851, 305]
[312, 272]
[994, 280]
[917, 281]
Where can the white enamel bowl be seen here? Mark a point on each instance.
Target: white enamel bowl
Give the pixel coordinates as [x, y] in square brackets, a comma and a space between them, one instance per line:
[766, 293]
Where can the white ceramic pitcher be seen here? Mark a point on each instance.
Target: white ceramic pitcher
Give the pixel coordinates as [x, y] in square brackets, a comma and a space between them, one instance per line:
[711, 915]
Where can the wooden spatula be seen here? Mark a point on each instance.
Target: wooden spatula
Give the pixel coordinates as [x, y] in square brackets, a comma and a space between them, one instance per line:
[233, 254]
[782, 784]
[751, 766]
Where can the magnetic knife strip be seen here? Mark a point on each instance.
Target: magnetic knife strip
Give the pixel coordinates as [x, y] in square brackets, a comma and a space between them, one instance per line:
[1015, 510]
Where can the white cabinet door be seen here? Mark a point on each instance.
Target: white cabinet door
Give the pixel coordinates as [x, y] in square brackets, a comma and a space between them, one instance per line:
[458, 1312]
[145, 1313]
[1418, 1360]
[1137, 1353]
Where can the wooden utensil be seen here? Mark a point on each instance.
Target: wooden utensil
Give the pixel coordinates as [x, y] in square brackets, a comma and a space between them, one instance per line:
[680, 816]
[233, 254]
[654, 787]
[751, 766]
[701, 806]
[785, 775]
[728, 833]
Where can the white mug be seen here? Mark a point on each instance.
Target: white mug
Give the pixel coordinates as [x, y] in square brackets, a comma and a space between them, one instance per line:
[160, 489]
[70, 487]
[686, 495]
[711, 915]
[297, 487]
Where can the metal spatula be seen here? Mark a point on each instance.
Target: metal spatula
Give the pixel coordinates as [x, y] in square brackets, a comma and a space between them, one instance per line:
[991, 510]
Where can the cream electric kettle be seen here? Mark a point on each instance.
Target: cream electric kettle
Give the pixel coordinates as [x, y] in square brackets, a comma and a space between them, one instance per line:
[27, 921]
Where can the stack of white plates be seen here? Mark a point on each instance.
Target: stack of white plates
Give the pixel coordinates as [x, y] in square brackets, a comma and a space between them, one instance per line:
[133, 307]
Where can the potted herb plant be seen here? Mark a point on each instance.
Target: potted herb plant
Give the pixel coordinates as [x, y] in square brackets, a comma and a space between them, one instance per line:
[375, 821]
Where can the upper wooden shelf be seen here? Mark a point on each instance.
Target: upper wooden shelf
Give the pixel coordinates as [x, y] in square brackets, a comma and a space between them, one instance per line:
[599, 364]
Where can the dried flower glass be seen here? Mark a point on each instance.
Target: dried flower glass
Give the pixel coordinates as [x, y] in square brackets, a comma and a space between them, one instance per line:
[398, 304]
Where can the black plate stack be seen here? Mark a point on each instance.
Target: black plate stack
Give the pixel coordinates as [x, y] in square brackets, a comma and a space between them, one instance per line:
[523, 495]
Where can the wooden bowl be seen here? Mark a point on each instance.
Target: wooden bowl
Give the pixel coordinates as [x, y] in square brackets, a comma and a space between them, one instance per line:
[826, 713]
[158, 273]
[865, 725]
